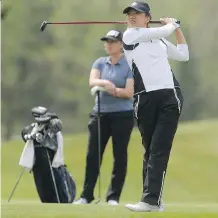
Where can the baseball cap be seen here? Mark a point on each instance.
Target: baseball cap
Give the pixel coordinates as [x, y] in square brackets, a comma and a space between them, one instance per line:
[138, 6]
[114, 35]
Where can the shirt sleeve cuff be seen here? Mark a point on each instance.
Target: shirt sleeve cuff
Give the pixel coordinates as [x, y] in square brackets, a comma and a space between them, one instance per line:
[182, 46]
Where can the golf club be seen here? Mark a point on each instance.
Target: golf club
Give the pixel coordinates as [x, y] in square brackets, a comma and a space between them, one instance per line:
[99, 147]
[53, 177]
[45, 23]
[96, 91]
[21, 174]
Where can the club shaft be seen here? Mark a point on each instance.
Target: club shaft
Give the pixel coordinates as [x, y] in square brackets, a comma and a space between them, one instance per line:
[53, 177]
[45, 23]
[96, 22]
[99, 146]
[21, 174]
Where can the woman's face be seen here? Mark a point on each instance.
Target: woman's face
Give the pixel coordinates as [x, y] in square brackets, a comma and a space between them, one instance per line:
[113, 47]
[137, 19]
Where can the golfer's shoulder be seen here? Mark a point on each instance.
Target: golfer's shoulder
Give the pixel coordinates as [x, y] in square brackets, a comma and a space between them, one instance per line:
[128, 34]
[123, 61]
[100, 62]
[131, 34]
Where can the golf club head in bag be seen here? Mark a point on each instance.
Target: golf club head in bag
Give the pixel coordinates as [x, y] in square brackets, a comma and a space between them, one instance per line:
[53, 181]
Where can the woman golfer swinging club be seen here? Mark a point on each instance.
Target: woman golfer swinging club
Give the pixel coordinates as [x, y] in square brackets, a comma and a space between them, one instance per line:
[158, 98]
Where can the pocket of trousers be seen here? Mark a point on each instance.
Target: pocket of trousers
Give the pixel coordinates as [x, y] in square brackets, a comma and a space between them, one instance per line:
[93, 117]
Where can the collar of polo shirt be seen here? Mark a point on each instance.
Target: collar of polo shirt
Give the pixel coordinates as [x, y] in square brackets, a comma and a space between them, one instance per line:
[119, 62]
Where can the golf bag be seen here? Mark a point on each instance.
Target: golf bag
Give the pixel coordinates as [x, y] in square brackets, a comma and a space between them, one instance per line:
[53, 182]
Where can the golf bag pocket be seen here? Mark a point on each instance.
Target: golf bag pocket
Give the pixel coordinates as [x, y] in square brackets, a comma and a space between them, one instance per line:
[66, 184]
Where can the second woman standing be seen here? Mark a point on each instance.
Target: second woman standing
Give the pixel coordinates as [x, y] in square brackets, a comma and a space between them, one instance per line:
[114, 74]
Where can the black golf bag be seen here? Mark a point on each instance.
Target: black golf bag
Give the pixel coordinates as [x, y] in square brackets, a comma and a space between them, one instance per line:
[53, 184]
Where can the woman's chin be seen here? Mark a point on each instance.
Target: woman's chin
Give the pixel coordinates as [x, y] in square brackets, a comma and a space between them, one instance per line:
[132, 25]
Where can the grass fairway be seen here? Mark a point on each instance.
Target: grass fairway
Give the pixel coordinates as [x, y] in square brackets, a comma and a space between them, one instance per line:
[36, 210]
[191, 186]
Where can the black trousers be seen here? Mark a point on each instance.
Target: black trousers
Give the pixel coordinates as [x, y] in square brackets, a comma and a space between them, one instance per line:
[157, 114]
[117, 125]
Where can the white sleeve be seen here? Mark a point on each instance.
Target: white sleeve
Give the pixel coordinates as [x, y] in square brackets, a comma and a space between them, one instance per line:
[179, 53]
[135, 35]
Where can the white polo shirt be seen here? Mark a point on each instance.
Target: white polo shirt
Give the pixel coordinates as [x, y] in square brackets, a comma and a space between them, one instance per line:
[147, 54]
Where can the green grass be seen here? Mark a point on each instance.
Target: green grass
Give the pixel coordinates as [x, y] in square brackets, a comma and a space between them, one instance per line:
[36, 210]
[190, 187]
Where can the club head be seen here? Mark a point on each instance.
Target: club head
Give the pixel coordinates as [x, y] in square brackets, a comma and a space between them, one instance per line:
[38, 111]
[43, 25]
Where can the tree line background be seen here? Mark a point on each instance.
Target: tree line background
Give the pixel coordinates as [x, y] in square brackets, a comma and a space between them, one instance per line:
[51, 68]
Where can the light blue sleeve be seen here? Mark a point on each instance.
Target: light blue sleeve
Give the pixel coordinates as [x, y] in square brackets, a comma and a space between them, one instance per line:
[98, 64]
[129, 73]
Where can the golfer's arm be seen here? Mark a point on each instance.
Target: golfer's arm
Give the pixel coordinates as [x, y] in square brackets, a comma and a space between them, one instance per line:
[182, 46]
[94, 79]
[135, 35]
[180, 38]
[126, 92]
[179, 52]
